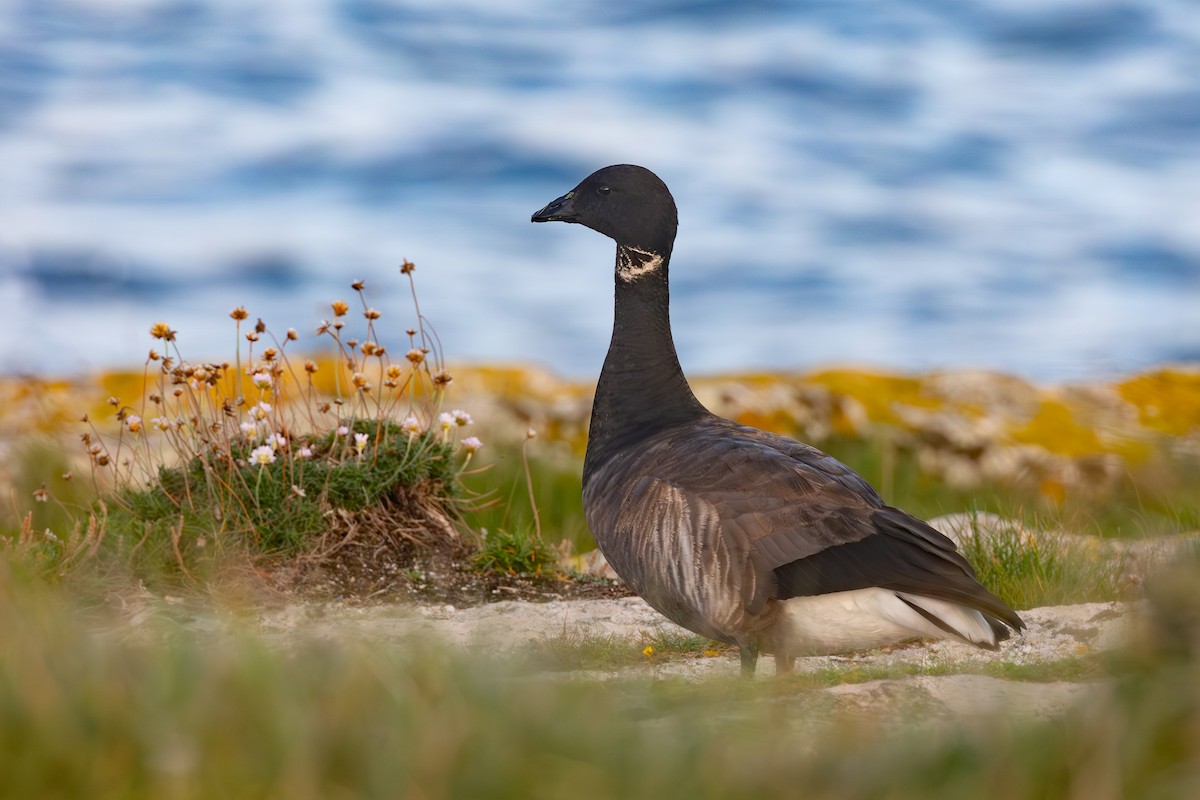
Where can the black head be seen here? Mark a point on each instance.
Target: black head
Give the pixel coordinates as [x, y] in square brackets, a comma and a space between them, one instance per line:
[624, 202]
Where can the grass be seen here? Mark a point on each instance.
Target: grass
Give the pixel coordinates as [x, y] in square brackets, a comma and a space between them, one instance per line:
[97, 708]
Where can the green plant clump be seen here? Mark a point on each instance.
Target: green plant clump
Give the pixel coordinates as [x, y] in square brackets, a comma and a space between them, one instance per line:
[267, 455]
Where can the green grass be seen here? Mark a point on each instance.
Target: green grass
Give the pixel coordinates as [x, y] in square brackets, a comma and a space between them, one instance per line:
[519, 552]
[557, 490]
[92, 708]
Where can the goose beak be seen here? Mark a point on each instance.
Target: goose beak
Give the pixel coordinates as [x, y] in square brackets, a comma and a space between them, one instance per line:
[560, 210]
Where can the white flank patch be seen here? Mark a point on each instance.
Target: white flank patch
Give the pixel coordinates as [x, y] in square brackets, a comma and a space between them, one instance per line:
[633, 263]
[866, 618]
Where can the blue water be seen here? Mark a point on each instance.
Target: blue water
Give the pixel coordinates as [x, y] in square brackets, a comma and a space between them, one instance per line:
[1011, 184]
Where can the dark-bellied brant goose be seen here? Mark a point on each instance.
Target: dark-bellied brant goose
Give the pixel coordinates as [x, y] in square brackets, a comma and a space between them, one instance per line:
[740, 535]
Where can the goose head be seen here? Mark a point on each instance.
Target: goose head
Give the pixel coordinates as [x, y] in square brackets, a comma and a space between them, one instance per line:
[627, 203]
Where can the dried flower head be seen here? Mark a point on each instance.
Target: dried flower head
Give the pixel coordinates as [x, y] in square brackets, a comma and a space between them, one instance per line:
[415, 355]
[270, 354]
[260, 326]
[360, 380]
[153, 355]
[530, 433]
[40, 494]
[292, 335]
[442, 378]
[357, 285]
[133, 422]
[161, 330]
[339, 308]
[239, 313]
[371, 313]
[407, 267]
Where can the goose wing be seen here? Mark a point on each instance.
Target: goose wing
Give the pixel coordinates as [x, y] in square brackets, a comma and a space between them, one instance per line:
[800, 520]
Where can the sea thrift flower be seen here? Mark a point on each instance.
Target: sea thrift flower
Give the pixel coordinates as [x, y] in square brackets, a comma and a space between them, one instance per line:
[262, 455]
[342, 430]
[461, 417]
[261, 411]
[161, 423]
[296, 490]
[277, 441]
[360, 380]
[305, 453]
[471, 444]
[310, 366]
[360, 442]
[415, 355]
[133, 422]
[445, 421]
[411, 426]
[394, 371]
[249, 429]
[262, 379]
[371, 313]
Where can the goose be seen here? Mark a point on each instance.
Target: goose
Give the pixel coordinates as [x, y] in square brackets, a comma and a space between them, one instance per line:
[740, 535]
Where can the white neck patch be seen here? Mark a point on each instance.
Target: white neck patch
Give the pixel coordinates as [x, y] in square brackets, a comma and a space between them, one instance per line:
[633, 263]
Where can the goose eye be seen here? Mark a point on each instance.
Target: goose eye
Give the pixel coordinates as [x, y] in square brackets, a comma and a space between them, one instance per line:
[603, 189]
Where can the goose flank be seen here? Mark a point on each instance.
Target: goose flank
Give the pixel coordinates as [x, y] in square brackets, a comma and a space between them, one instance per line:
[742, 536]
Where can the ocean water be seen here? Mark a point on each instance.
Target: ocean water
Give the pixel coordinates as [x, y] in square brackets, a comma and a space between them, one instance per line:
[1005, 184]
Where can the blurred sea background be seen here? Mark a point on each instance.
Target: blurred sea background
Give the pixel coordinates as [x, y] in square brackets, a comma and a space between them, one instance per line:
[1007, 184]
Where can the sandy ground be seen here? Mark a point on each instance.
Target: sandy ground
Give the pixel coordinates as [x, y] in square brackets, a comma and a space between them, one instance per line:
[499, 630]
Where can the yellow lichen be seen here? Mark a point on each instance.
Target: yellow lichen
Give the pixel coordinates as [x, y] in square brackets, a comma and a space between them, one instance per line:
[1167, 400]
[1055, 428]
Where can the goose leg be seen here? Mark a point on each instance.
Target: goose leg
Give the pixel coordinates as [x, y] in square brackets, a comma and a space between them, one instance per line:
[749, 655]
